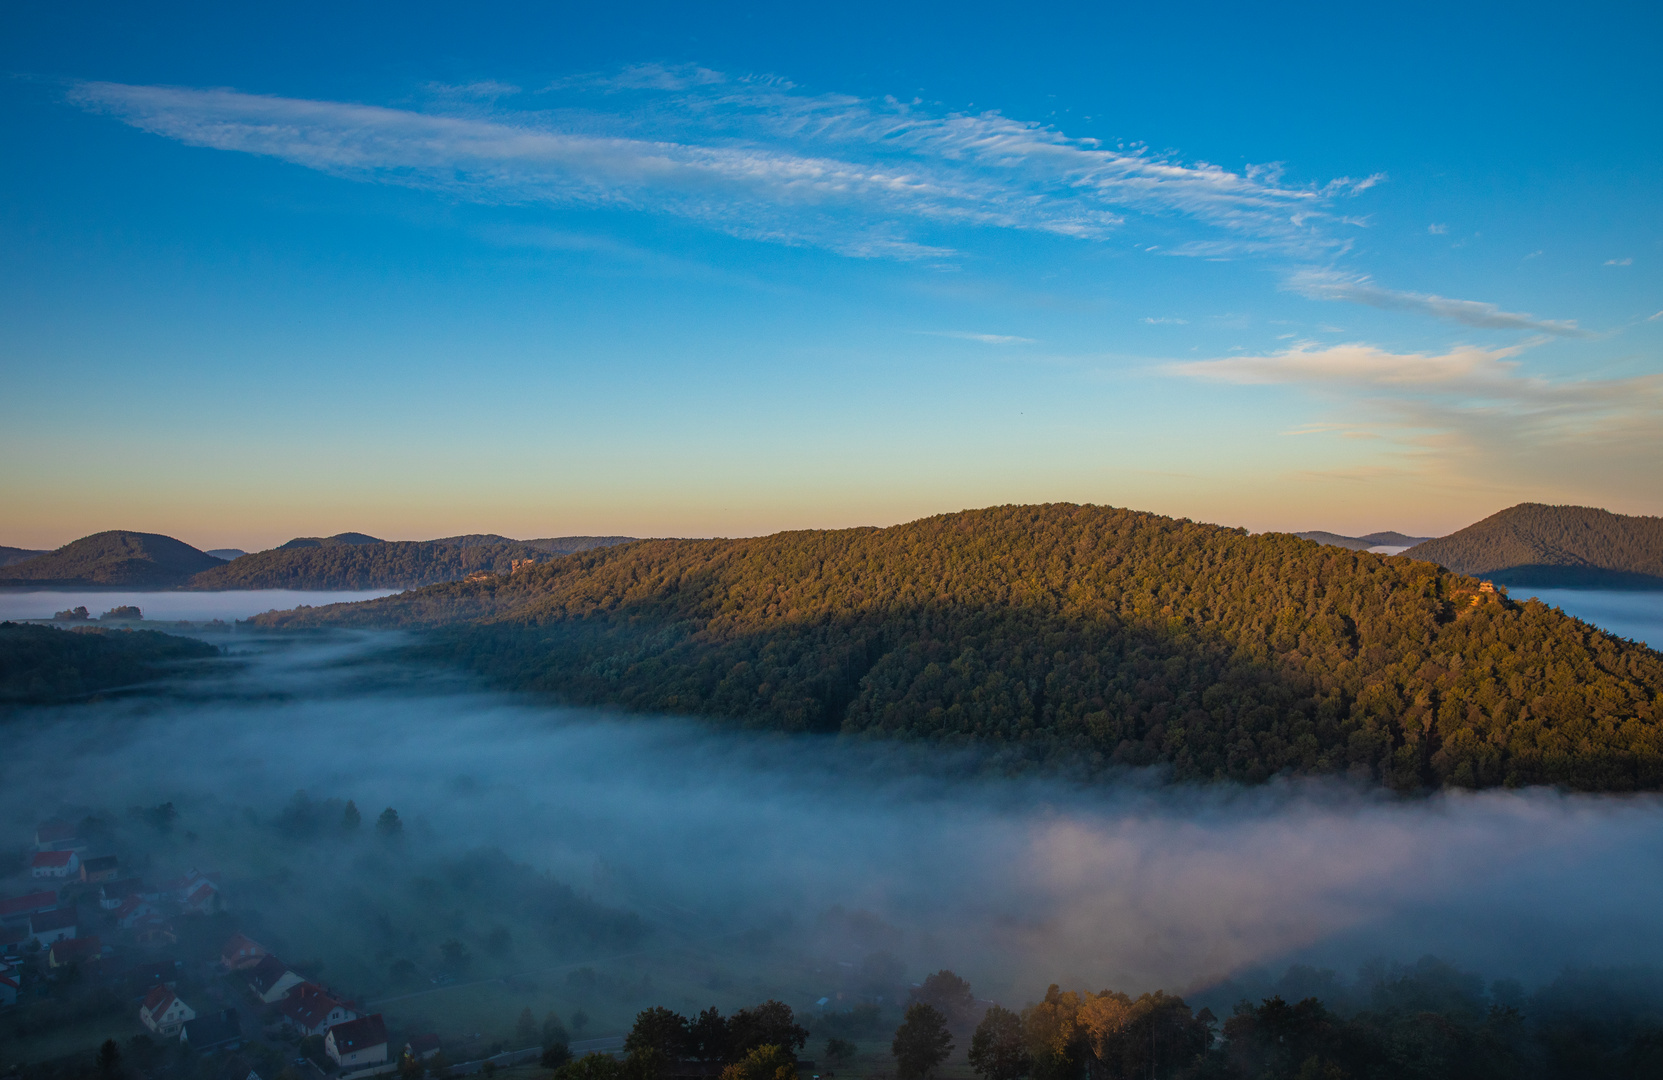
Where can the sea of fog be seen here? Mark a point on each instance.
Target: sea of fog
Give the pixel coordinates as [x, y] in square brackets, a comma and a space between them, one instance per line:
[172, 606]
[1637, 615]
[1013, 882]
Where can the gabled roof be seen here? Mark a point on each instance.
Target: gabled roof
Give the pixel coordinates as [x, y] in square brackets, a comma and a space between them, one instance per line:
[23, 905]
[159, 998]
[308, 1005]
[359, 1034]
[44, 922]
[242, 945]
[70, 950]
[267, 973]
[50, 859]
[50, 832]
[131, 905]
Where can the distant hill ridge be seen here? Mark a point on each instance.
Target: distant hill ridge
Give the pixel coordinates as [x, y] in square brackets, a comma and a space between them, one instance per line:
[1083, 636]
[120, 559]
[10, 555]
[1545, 546]
[1363, 543]
[111, 559]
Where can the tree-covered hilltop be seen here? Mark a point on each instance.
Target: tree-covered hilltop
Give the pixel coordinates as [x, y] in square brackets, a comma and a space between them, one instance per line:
[1083, 636]
[1545, 546]
[39, 664]
[10, 555]
[1363, 543]
[378, 564]
[117, 558]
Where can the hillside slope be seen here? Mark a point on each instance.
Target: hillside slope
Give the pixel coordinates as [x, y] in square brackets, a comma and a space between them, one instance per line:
[1078, 635]
[379, 564]
[112, 559]
[10, 555]
[1545, 546]
[39, 664]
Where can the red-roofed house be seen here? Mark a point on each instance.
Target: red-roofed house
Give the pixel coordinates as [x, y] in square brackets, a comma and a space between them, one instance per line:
[20, 906]
[357, 1044]
[75, 951]
[271, 980]
[241, 952]
[163, 1012]
[57, 836]
[54, 864]
[133, 910]
[311, 1011]
[55, 925]
[196, 891]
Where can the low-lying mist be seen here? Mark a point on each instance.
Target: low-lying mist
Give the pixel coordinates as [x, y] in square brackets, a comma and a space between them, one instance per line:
[834, 851]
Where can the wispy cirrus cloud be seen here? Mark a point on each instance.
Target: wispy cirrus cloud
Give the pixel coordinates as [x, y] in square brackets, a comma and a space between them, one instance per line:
[752, 157]
[1472, 412]
[985, 339]
[1361, 289]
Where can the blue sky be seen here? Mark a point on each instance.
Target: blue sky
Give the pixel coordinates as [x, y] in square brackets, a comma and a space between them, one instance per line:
[696, 270]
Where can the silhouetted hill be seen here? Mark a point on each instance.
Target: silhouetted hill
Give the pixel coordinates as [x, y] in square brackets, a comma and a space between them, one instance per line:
[112, 559]
[338, 540]
[1079, 635]
[39, 664]
[10, 555]
[1362, 543]
[227, 554]
[1547, 546]
[384, 564]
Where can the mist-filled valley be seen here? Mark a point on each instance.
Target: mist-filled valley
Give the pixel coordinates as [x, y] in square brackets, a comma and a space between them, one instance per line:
[595, 864]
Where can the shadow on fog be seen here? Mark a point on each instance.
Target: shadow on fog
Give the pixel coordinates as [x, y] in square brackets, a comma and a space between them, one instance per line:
[1015, 883]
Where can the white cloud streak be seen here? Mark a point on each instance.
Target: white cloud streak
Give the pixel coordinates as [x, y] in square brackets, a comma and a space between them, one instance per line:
[754, 158]
[1360, 289]
[985, 339]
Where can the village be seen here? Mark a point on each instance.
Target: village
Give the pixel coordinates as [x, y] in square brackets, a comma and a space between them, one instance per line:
[89, 937]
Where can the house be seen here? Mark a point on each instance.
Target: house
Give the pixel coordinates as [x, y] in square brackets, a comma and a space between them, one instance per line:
[271, 980]
[357, 1044]
[85, 950]
[422, 1047]
[58, 835]
[236, 1067]
[216, 1031]
[133, 910]
[310, 1010]
[55, 925]
[195, 891]
[241, 953]
[21, 907]
[103, 868]
[112, 894]
[54, 864]
[163, 1012]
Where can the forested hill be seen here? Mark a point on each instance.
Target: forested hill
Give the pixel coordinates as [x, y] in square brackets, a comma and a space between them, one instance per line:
[400, 564]
[1083, 636]
[1569, 546]
[9, 555]
[40, 665]
[112, 559]
[1363, 543]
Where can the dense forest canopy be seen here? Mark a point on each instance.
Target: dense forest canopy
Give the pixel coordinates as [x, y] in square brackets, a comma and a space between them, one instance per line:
[39, 664]
[115, 558]
[1080, 636]
[1569, 546]
[9, 555]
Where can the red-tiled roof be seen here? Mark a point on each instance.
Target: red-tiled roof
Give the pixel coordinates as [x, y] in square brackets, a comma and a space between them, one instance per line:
[48, 832]
[308, 1005]
[44, 922]
[267, 973]
[72, 949]
[21, 905]
[359, 1034]
[157, 1000]
[51, 859]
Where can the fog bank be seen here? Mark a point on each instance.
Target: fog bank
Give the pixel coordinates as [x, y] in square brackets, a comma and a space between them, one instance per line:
[1015, 883]
[174, 605]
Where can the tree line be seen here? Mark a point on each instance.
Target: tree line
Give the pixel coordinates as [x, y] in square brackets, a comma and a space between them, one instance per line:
[1081, 636]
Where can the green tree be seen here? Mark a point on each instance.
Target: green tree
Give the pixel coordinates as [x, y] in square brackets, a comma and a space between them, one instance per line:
[554, 1032]
[839, 1052]
[659, 1029]
[351, 818]
[388, 825]
[525, 1031]
[456, 956]
[998, 1050]
[767, 1062]
[590, 1067]
[109, 1058]
[769, 1024]
[921, 1043]
[947, 994]
[710, 1037]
